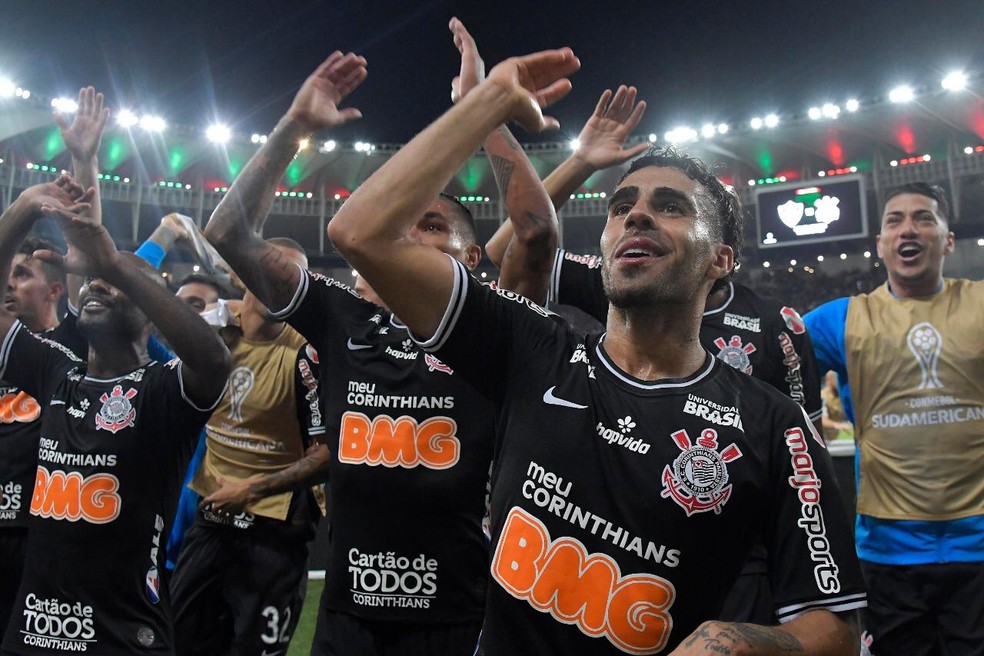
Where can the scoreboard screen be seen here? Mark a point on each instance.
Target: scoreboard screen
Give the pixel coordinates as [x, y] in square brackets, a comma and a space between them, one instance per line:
[811, 212]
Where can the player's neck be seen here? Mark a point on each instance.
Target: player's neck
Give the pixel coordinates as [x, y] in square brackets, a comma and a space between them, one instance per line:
[257, 327]
[46, 321]
[109, 360]
[655, 346]
[914, 289]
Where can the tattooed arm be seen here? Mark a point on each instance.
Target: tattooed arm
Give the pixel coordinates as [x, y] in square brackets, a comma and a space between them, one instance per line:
[600, 146]
[528, 261]
[309, 470]
[236, 225]
[816, 633]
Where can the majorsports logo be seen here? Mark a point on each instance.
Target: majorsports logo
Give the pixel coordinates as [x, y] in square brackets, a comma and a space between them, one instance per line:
[807, 486]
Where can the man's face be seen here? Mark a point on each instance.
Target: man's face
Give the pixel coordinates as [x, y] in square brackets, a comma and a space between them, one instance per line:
[198, 295]
[105, 310]
[913, 241]
[660, 243]
[443, 228]
[30, 295]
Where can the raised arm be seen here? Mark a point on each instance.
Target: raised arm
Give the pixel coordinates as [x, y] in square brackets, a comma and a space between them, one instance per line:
[91, 252]
[236, 225]
[19, 217]
[370, 230]
[82, 138]
[533, 215]
[601, 145]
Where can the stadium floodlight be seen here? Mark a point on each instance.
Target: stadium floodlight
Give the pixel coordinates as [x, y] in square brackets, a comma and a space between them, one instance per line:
[955, 81]
[830, 110]
[708, 130]
[574, 144]
[330, 145]
[867, 254]
[126, 119]
[22, 93]
[819, 258]
[7, 88]
[65, 105]
[218, 133]
[723, 128]
[901, 94]
[852, 105]
[756, 123]
[152, 123]
[766, 264]
[814, 113]
[680, 135]
[771, 121]
[303, 144]
[652, 137]
[843, 256]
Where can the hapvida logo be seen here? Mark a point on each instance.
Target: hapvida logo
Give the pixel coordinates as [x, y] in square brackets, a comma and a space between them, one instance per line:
[621, 436]
[588, 590]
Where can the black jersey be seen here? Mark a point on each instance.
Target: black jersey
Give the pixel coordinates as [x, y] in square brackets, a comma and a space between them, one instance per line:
[411, 445]
[622, 510]
[20, 427]
[111, 457]
[758, 336]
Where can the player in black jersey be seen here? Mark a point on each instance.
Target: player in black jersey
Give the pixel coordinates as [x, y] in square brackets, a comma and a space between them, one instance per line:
[633, 471]
[757, 336]
[116, 434]
[410, 441]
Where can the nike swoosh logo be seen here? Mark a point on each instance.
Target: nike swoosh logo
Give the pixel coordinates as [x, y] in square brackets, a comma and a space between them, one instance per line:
[352, 346]
[550, 399]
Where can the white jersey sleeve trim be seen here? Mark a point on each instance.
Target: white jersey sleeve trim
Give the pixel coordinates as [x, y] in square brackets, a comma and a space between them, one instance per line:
[554, 290]
[8, 341]
[299, 294]
[816, 415]
[181, 385]
[833, 604]
[459, 290]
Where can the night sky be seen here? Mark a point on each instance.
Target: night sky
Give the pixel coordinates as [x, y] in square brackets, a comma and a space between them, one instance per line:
[693, 61]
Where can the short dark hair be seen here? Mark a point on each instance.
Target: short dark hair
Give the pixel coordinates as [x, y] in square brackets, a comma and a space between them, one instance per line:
[287, 242]
[465, 214]
[52, 272]
[935, 192]
[201, 279]
[731, 218]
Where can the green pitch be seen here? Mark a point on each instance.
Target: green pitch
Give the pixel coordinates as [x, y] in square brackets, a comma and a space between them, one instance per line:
[304, 633]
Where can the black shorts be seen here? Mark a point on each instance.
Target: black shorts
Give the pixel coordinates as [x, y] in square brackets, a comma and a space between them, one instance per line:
[237, 593]
[11, 569]
[341, 634]
[928, 610]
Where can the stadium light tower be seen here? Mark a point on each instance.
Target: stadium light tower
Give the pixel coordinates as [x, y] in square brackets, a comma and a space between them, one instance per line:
[218, 133]
[955, 81]
[126, 119]
[152, 123]
[901, 94]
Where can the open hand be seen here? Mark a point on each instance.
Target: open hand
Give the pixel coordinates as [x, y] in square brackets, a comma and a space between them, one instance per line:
[536, 81]
[316, 104]
[601, 142]
[82, 137]
[472, 65]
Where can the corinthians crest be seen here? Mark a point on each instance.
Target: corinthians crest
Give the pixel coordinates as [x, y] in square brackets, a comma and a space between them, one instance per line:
[116, 412]
[698, 478]
[735, 353]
